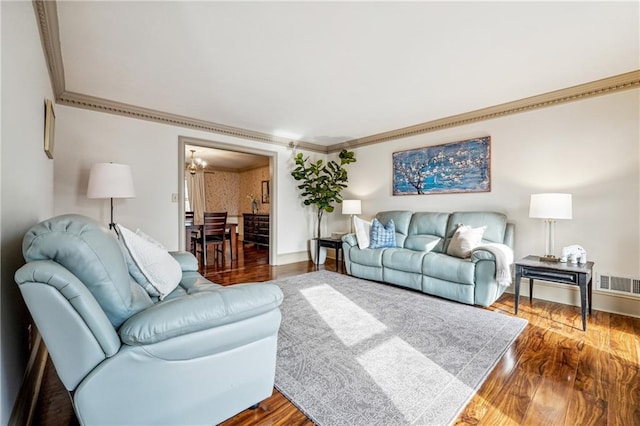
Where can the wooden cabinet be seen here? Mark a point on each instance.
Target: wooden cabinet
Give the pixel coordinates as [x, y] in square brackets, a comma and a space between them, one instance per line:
[256, 229]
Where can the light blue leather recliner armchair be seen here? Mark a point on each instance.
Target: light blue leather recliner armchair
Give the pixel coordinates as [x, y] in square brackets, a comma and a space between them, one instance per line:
[199, 356]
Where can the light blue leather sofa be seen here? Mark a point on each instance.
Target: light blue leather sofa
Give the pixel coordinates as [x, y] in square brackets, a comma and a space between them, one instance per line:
[420, 261]
[198, 357]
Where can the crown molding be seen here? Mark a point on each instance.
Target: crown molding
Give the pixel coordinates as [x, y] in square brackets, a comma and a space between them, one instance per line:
[604, 86]
[113, 107]
[47, 17]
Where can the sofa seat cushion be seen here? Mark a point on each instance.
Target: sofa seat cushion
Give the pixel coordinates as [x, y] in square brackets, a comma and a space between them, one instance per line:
[199, 311]
[403, 260]
[367, 257]
[448, 268]
[192, 283]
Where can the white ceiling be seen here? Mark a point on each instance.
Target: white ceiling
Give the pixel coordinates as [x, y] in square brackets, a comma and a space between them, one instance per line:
[335, 71]
[221, 159]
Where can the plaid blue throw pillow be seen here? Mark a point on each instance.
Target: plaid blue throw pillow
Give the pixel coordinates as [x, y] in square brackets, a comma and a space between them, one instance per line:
[382, 236]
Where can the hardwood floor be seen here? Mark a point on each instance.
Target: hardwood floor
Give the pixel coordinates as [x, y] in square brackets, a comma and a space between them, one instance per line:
[553, 374]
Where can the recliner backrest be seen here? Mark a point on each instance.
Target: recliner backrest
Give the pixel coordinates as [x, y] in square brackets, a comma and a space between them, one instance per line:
[401, 220]
[496, 224]
[94, 256]
[427, 231]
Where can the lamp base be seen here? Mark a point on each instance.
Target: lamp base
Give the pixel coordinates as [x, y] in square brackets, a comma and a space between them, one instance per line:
[549, 258]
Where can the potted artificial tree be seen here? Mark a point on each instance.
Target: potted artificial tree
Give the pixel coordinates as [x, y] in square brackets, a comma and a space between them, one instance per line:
[322, 183]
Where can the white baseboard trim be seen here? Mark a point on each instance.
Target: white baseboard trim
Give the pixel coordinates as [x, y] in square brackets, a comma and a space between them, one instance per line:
[570, 295]
[298, 256]
[301, 256]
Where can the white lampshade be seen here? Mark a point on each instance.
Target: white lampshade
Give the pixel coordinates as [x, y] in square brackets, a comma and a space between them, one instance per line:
[351, 207]
[550, 206]
[110, 180]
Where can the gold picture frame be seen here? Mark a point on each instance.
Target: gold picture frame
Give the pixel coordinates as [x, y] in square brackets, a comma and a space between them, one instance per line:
[49, 127]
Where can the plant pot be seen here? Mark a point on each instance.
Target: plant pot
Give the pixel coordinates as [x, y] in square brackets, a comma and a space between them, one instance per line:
[323, 253]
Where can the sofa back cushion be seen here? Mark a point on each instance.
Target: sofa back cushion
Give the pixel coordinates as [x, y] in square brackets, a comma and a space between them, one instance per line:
[401, 220]
[91, 253]
[427, 231]
[496, 225]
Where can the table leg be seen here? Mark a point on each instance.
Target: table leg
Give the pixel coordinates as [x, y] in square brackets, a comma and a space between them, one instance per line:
[203, 245]
[590, 289]
[317, 254]
[530, 290]
[517, 287]
[337, 258]
[583, 301]
[235, 241]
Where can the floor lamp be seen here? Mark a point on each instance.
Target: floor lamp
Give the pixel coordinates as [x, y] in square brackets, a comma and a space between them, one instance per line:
[110, 180]
[550, 207]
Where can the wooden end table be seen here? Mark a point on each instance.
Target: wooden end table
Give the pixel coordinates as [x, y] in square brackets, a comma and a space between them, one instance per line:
[564, 273]
[334, 243]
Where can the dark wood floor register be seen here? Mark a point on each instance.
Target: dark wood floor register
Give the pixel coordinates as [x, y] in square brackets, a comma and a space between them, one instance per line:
[256, 229]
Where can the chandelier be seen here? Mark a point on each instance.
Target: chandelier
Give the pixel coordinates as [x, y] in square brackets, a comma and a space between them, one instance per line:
[196, 163]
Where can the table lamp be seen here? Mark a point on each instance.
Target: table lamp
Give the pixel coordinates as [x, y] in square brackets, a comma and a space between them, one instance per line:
[351, 207]
[550, 207]
[110, 180]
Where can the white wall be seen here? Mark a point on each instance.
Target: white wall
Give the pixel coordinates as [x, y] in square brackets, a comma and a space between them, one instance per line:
[85, 137]
[589, 148]
[26, 179]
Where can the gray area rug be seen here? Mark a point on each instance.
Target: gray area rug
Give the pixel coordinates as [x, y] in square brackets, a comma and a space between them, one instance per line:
[356, 352]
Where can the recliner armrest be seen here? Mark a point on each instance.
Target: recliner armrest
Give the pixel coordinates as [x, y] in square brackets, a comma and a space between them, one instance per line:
[350, 239]
[199, 311]
[480, 253]
[187, 261]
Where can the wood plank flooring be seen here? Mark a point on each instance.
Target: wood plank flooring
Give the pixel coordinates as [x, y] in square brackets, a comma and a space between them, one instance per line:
[553, 374]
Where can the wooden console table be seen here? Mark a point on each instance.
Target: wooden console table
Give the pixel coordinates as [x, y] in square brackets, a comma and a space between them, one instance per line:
[564, 273]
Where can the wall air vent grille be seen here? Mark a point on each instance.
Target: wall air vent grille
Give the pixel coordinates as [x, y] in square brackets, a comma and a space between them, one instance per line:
[621, 285]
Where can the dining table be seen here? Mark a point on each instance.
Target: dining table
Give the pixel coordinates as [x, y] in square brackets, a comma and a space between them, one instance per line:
[230, 229]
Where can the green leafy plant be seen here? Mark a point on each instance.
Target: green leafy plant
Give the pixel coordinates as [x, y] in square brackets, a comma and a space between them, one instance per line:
[322, 182]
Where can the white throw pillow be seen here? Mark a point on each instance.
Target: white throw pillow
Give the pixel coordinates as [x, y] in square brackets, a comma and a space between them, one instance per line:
[464, 240]
[363, 230]
[149, 238]
[160, 268]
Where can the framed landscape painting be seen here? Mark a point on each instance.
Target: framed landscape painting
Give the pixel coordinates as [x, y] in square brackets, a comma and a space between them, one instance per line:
[450, 168]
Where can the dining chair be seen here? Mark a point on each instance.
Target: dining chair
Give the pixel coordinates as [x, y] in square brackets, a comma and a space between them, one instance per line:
[192, 231]
[213, 233]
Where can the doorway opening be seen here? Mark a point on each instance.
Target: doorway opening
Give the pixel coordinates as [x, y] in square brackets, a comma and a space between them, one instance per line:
[239, 180]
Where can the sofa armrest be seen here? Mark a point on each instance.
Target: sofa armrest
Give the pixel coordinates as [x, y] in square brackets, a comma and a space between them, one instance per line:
[187, 261]
[489, 251]
[478, 255]
[195, 312]
[350, 239]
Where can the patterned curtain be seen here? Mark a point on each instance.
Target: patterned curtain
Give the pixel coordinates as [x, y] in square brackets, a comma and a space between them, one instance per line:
[195, 186]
